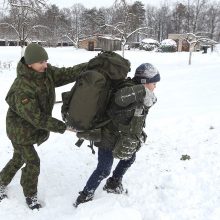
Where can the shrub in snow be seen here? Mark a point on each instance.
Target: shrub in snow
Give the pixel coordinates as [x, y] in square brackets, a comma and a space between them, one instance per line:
[185, 157]
[149, 44]
[168, 45]
[126, 47]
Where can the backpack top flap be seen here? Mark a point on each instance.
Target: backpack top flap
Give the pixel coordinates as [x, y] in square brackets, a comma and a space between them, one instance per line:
[113, 64]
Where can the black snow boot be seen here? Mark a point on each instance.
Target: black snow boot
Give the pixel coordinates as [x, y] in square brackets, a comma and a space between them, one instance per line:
[2, 192]
[33, 203]
[114, 185]
[83, 197]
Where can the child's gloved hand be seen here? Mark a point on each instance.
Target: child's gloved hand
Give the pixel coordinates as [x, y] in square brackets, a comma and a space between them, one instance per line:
[150, 98]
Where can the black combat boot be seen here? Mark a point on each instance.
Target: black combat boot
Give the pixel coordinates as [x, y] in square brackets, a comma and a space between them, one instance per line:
[33, 203]
[2, 192]
[114, 185]
[83, 197]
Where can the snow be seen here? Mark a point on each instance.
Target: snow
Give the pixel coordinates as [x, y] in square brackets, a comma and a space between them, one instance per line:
[184, 121]
[149, 41]
[168, 42]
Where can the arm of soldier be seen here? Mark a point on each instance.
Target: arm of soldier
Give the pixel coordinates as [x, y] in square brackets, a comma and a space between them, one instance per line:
[63, 75]
[128, 95]
[27, 108]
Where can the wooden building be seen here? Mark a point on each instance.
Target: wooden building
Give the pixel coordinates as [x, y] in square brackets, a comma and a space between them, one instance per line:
[202, 42]
[180, 39]
[100, 42]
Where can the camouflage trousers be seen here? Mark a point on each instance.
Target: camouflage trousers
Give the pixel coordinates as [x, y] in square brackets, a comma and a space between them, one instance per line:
[23, 154]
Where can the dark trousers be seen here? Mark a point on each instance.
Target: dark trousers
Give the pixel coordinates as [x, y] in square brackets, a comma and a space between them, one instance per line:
[103, 169]
[23, 154]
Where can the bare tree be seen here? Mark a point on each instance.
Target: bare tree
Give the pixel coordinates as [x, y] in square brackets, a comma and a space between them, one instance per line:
[123, 34]
[179, 18]
[195, 10]
[21, 18]
[92, 20]
[212, 18]
[52, 18]
[194, 40]
[151, 18]
[72, 29]
[24, 18]
[122, 28]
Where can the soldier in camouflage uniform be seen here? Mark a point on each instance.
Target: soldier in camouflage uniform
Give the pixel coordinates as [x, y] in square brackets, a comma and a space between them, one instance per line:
[29, 118]
[122, 137]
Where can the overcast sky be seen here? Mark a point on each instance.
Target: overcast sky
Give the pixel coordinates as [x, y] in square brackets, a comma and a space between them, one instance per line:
[96, 3]
[104, 3]
[101, 3]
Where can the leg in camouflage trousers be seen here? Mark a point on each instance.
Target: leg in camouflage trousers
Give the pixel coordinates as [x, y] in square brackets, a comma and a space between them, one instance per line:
[11, 168]
[29, 177]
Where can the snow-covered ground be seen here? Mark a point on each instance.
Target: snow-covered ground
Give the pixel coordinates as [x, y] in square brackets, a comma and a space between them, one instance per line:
[185, 121]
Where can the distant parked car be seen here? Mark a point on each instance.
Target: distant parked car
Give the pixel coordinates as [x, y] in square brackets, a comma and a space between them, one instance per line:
[127, 47]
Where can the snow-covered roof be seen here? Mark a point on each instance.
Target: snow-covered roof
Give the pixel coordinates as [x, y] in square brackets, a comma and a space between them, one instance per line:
[8, 39]
[110, 37]
[102, 36]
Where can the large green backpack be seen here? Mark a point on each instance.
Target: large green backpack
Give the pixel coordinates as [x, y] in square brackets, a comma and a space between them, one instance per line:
[84, 106]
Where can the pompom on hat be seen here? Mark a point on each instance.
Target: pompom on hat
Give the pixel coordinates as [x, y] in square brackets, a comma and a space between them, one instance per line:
[35, 53]
[146, 73]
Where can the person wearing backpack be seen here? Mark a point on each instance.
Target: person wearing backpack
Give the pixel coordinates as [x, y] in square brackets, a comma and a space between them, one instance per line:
[29, 118]
[121, 138]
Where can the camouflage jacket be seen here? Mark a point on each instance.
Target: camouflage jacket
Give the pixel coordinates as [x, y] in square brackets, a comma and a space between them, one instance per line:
[31, 98]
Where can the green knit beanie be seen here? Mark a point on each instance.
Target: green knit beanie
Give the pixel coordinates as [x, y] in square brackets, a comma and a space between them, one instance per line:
[34, 53]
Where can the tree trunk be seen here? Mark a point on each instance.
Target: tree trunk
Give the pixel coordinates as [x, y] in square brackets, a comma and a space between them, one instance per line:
[22, 50]
[123, 50]
[190, 56]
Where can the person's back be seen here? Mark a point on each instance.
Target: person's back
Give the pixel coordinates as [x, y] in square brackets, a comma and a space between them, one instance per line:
[122, 137]
[121, 112]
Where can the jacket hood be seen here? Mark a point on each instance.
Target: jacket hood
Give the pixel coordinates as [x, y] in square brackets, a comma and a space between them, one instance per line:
[25, 71]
